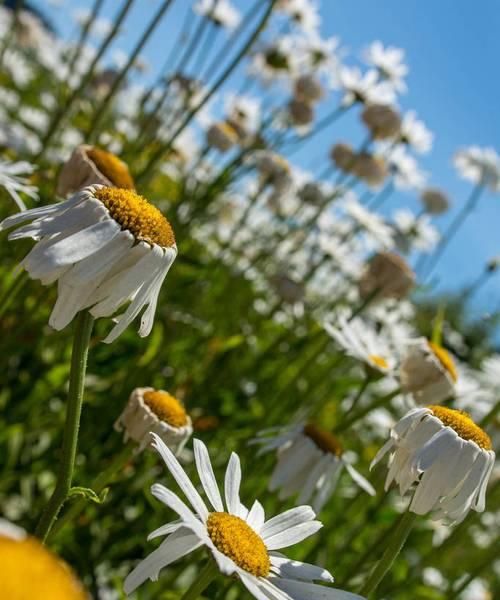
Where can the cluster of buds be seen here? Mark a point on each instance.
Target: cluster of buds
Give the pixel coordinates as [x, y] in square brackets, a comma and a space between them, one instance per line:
[371, 168]
[307, 92]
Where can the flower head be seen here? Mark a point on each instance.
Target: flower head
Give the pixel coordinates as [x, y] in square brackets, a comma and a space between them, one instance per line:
[12, 178]
[106, 247]
[241, 541]
[445, 456]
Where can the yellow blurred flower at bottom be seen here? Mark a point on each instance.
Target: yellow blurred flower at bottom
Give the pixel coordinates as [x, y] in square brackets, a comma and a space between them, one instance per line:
[30, 571]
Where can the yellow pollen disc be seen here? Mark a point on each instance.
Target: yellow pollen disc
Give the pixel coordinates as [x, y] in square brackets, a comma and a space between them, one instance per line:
[111, 167]
[379, 361]
[166, 407]
[445, 359]
[30, 571]
[228, 130]
[325, 440]
[134, 213]
[462, 423]
[237, 540]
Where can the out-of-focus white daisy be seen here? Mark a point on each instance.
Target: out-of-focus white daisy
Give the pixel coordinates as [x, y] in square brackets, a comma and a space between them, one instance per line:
[12, 178]
[413, 232]
[406, 172]
[479, 165]
[414, 133]
[278, 61]
[303, 12]
[477, 590]
[359, 340]
[49, 576]
[310, 460]
[490, 371]
[241, 541]
[319, 55]
[370, 222]
[243, 113]
[445, 456]
[105, 247]
[364, 87]
[389, 61]
[427, 372]
[221, 12]
[149, 410]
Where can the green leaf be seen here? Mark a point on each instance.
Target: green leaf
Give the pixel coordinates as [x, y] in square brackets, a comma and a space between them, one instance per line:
[89, 494]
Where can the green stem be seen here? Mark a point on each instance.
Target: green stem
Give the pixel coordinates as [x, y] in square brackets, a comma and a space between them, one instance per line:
[356, 416]
[19, 282]
[394, 547]
[201, 583]
[81, 339]
[100, 482]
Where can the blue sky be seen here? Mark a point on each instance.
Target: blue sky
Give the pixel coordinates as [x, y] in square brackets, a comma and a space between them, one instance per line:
[451, 48]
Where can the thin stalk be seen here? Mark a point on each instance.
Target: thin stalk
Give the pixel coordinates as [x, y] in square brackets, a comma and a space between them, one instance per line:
[100, 482]
[81, 339]
[201, 583]
[18, 284]
[95, 121]
[362, 412]
[61, 114]
[164, 148]
[453, 229]
[394, 547]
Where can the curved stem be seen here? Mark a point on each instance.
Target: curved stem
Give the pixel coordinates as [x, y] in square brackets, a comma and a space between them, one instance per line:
[394, 547]
[81, 339]
[356, 416]
[201, 583]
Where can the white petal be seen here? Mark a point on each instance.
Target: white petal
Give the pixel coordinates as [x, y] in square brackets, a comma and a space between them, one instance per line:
[480, 502]
[256, 516]
[290, 518]
[173, 501]
[299, 590]
[232, 482]
[261, 589]
[180, 477]
[315, 474]
[206, 474]
[363, 483]
[382, 452]
[174, 547]
[165, 529]
[286, 567]
[434, 448]
[292, 536]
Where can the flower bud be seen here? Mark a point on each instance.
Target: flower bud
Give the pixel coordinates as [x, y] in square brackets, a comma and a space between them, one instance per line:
[435, 201]
[382, 121]
[387, 275]
[222, 136]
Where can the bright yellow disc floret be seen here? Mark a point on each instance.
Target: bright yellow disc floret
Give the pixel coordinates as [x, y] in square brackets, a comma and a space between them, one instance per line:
[166, 407]
[30, 571]
[134, 213]
[378, 361]
[111, 167]
[237, 540]
[325, 440]
[462, 423]
[445, 359]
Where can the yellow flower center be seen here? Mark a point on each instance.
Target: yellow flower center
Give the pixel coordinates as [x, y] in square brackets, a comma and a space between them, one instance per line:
[111, 167]
[462, 423]
[228, 130]
[323, 439]
[134, 213]
[379, 361]
[166, 407]
[444, 358]
[237, 540]
[30, 571]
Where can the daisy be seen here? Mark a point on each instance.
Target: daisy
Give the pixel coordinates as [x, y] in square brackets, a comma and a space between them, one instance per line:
[427, 372]
[413, 232]
[150, 410]
[375, 225]
[479, 165]
[445, 457]
[310, 460]
[389, 62]
[49, 576]
[221, 12]
[303, 12]
[13, 180]
[364, 87]
[414, 133]
[359, 340]
[242, 542]
[105, 247]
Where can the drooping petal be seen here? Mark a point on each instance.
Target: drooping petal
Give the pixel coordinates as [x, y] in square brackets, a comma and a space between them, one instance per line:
[206, 474]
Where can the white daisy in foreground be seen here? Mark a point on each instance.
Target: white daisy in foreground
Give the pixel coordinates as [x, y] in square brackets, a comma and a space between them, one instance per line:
[310, 460]
[359, 340]
[446, 456]
[106, 247]
[12, 178]
[240, 541]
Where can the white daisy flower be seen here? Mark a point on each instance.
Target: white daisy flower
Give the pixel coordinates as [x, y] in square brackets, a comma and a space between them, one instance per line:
[446, 456]
[303, 12]
[373, 224]
[310, 461]
[241, 541]
[364, 87]
[414, 133]
[414, 232]
[105, 247]
[13, 180]
[427, 372]
[221, 12]
[359, 340]
[389, 62]
[479, 165]
[149, 410]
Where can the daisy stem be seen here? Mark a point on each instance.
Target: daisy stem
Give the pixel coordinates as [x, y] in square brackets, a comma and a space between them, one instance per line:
[394, 547]
[81, 339]
[356, 416]
[201, 583]
[18, 283]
